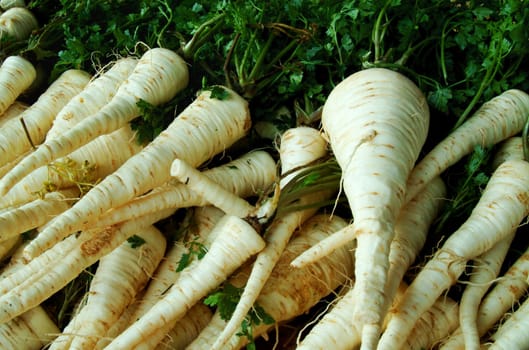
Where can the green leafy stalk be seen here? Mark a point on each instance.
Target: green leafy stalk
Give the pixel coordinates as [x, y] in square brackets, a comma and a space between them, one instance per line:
[195, 249]
[226, 298]
[321, 176]
[525, 140]
[468, 188]
[136, 241]
[202, 34]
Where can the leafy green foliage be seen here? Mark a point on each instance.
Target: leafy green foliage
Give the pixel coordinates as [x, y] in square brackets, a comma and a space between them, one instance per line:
[219, 92]
[62, 305]
[286, 56]
[195, 249]
[256, 317]
[136, 241]
[225, 299]
[467, 189]
[321, 176]
[290, 54]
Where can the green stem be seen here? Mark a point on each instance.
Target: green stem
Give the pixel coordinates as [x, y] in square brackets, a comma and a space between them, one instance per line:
[257, 68]
[443, 44]
[411, 49]
[240, 65]
[203, 33]
[489, 75]
[169, 18]
[525, 141]
[281, 53]
[378, 33]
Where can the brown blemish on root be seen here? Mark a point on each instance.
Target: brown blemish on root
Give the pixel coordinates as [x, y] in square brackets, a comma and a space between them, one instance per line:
[93, 246]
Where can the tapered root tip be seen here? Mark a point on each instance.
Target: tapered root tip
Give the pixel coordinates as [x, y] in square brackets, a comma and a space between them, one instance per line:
[325, 247]
[370, 337]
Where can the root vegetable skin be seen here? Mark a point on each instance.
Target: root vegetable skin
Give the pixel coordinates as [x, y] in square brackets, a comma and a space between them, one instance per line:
[249, 175]
[38, 117]
[506, 196]
[289, 293]
[202, 222]
[484, 272]
[12, 112]
[500, 300]
[512, 148]
[298, 147]
[8, 246]
[498, 119]
[32, 330]
[35, 282]
[187, 329]
[434, 325]
[512, 334]
[411, 230]
[209, 190]
[204, 219]
[120, 275]
[376, 121]
[16, 75]
[236, 241]
[7, 4]
[18, 23]
[34, 214]
[104, 155]
[157, 77]
[98, 92]
[206, 127]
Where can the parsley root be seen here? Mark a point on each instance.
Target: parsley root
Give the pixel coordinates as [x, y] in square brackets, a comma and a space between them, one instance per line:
[377, 122]
[156, 78]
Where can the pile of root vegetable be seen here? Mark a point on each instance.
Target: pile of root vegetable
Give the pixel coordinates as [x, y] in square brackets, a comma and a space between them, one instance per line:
[264, 175]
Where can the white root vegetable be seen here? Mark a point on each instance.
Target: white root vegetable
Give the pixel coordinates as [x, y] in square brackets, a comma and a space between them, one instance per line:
[377, 122]
[209, 190]
[187, 329]
[206, 127]
[38, 117]
[506, 291]
[82, 168]
[411, 230]
[501, 299]
[485, 270]
[288, 293]
[496, 120]
[236, 241]
[33, 330]
[36, 213]
[204, 219]
[157, 77]
[512, 148]
[298, 147]
[434, 325]
[246, 176]
[7, 4]
[17, 23]
[9, 246]
[506, 196]
[13, 111]
[512, 334]
[119, 277]
[98, 92]
[16, 75]
[41, 277]
[201, 224]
